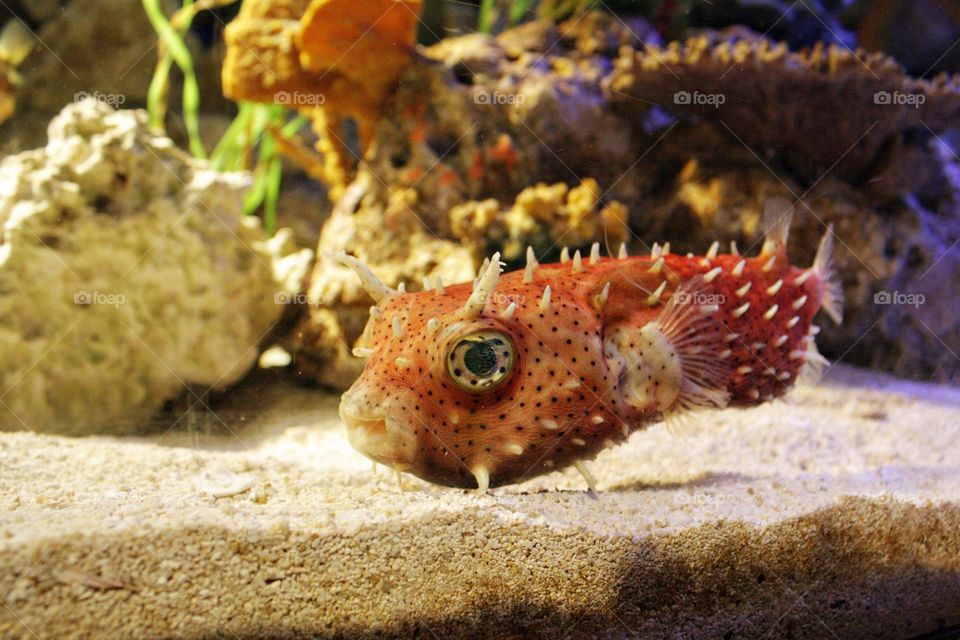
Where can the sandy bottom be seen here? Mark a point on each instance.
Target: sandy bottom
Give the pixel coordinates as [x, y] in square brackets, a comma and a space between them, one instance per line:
[835, 513]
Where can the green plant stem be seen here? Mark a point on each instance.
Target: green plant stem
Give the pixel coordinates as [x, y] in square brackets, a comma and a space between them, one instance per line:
[180, 53]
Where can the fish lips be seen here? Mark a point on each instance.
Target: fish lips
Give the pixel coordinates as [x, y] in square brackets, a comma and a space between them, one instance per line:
[383, 432]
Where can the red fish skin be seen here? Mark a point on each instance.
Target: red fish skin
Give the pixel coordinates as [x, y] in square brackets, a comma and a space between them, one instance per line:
[564, 400]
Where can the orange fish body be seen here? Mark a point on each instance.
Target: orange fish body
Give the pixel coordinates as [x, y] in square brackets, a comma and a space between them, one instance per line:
[529, 372]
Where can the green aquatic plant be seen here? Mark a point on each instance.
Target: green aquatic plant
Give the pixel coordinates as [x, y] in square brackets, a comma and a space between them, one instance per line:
[250, 142]
[174, 50]
[492, 16]
[256, 129]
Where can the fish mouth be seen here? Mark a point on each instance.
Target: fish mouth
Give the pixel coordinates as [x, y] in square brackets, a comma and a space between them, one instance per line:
[378, 435]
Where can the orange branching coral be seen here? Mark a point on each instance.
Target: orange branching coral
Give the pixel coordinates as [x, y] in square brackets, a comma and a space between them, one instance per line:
[327, 58]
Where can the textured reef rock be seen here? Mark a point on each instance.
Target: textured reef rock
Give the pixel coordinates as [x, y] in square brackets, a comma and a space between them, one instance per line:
[689, 138]
[127, 272]
[833, 514]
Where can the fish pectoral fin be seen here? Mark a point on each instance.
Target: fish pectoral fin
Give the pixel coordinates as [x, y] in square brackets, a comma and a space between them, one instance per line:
[674, 363]
[831, 298]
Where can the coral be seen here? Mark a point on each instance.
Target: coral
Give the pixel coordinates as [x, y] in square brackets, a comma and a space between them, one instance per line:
[543, 216]
[784, 101]
[331, 59]
[484, 136]
[128, 272]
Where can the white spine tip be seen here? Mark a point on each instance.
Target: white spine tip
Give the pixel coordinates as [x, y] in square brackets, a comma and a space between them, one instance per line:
[654, 297]
[565, 255]
[397, 327]
[545, 300]
[547, 423]
[774, 288]
[744, 370]
[799, 302]
[737, 270]
[739, 311]
[711, 275]
[403, 363]
[577, 262]
[742, 291]
[792, 322]
[483, 478]
[713, 250]
[657, 266]
[734, 251]
[514, 448]
[587, 476]
[601, 299]
[622, 254]
[594, 253]
[779, 342]
[508, 312]
[803, 277]
[772, 311]
[596, 420]
[768, 266]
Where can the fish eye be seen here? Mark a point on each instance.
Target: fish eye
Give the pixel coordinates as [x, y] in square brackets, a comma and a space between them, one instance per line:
[481, 361]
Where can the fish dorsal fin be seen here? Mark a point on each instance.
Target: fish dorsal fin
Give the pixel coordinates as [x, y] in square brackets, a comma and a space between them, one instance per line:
[777, 216]
[672, 364]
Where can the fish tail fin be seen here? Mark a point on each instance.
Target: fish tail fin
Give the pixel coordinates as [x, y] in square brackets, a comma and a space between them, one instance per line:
[777, 216]
[831, 289]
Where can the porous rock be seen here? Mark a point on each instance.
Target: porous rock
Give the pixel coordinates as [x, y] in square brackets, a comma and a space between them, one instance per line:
[128, 272]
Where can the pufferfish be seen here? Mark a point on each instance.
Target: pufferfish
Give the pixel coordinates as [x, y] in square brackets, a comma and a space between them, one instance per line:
[525, 373]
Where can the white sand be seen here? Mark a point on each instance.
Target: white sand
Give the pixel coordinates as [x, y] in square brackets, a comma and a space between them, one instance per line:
[834, 513]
